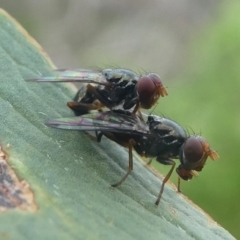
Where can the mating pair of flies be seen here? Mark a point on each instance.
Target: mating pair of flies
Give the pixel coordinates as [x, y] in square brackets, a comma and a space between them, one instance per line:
[124, 93]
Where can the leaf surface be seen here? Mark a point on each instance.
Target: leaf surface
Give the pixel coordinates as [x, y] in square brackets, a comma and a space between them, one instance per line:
[67, 174]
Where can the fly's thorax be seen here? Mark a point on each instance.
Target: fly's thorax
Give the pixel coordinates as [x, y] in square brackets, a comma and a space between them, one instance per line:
[119, 74]
[160, 125]
[178, 130]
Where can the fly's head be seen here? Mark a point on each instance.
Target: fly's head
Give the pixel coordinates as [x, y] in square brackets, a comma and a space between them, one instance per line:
[149, 88]
[193, 155]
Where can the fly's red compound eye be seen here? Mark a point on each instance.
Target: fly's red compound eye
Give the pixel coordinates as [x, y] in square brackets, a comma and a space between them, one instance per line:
[145, 88]
[193, 149]
[150, 88]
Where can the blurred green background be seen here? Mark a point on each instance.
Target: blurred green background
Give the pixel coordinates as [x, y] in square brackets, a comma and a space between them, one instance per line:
[193, 45]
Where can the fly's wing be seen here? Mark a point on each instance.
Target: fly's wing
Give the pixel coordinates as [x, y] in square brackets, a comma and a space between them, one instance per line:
[105, 122]
[79, 75]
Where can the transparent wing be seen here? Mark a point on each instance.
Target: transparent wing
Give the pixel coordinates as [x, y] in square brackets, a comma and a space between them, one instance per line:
[78, 75]
[106, 121]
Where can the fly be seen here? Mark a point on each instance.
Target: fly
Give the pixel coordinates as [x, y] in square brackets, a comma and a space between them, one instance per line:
[111, 88]
[157, 137]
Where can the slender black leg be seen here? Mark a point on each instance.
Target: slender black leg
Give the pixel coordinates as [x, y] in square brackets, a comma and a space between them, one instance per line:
[99, 136]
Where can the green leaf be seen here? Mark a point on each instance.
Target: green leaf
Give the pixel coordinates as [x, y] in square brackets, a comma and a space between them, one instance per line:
[56, 184]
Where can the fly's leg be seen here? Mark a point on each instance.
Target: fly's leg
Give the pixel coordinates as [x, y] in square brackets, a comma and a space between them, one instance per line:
[99, 136]
[82, 108]
[130, 166]
[92, 100]
[178, 186]
[149, 162]
[166, 162]
[133, 103]
[136, 107]
[140, 115]
[91, 136]
[137, 110]
[94, 91]
[84, 101]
